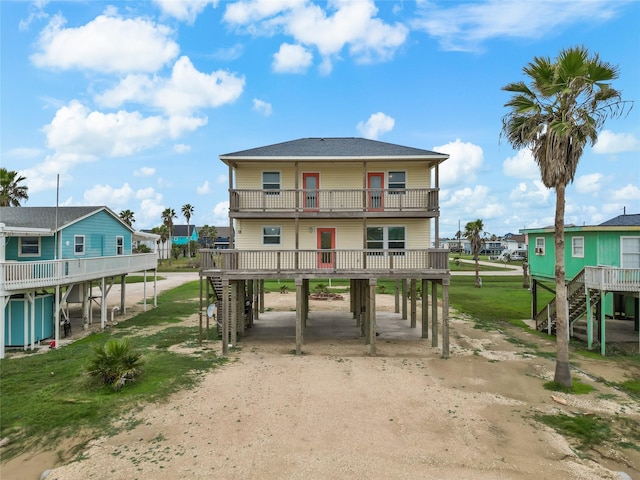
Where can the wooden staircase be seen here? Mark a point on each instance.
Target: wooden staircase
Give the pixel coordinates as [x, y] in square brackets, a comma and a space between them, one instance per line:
[577, 299]
[216, 285]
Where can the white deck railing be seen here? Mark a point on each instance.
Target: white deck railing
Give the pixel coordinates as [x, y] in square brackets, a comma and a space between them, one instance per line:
[292, 262]
[16, 276]
[612, 279]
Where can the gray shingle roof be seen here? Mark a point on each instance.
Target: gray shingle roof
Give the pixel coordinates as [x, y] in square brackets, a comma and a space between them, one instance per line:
[45, 217]
[318, 148]
[632, 220]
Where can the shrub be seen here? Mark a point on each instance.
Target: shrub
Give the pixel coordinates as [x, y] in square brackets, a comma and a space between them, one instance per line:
[114, 363]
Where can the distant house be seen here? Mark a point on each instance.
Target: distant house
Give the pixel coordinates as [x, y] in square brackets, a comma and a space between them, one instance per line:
[183, 234]
[221, 240]
[602, 264]
[52, 255]
[514, 242]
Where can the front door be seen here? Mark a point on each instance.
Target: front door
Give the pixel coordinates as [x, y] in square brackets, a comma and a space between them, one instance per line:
[326, 247]
[376, 191]
[310, 184]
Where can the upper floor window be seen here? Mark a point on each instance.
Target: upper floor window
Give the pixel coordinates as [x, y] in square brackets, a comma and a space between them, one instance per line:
[119, 245]
[630, 250]
[271, 236]
[271, 181]
[397, 181]
[78, 244]
[577, 247]
[539, 246]
[29, 246]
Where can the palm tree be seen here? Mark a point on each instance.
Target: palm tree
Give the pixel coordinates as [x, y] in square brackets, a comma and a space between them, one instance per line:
[208, 233]
[128, 217]
[163, 232]
[473, 233]
[167, 219]
[11, 192]
[563, 106]
[187, 211]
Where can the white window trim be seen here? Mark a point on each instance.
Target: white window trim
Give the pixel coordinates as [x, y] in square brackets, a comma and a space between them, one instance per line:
[385, 237]
[20, 254]
[84, 245]
[395, 190]
[622, 252]
[537, 249]
[279, 236]
[120, 246]
[573, 247]
[271, 191]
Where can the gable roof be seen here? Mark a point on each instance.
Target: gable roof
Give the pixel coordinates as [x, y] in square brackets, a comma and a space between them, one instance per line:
[50, 217]
[623, 221]
[183, 231]
[334, 148]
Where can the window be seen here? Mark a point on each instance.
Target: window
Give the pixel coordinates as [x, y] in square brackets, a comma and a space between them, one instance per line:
[119, 245]
[397, 181]
[630, 247]
[29, 246]
[78, 244]
[577, 247]
[271, 235]
[271, 181]
[539, 246]
[384, 238]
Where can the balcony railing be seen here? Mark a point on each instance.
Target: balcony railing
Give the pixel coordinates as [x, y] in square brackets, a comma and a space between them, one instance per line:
[296, 262]
[612, 279]
[38, 274]
[333, 201]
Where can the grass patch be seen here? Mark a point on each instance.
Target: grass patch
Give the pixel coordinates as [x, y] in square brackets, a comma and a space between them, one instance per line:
[63, 400]
[589, 430]
[577, 388]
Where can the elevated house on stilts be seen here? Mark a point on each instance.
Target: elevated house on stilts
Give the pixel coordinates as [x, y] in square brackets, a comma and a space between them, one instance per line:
[323, 208]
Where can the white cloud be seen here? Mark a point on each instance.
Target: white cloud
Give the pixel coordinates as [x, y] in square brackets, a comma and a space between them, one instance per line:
[108, 43]
[522, 165]
[262, 107]
[204, 188]
[465, 26]
[609, 143]
[377, 124]
[181, 148]
[525, 195]
[24, 153]
[150, 213]
[108, 195]
[184, 10]
[627, 193]
[465, 159]
[472, 203]
[291, 59]
[144, 172]
[221, 213]
[145, 193]
[589, 184]
[222, 179]
[186, 91]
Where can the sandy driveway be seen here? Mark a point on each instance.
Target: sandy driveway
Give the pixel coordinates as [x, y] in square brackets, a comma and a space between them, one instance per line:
[337, 413]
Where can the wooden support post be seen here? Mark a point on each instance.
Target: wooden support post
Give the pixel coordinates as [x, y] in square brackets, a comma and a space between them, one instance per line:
[123, 293]
[241, 307]
[396, 295]
[414, 295]
[434, 313]
[103, 304]
[224, 317]
[589, 321]
[200, 315]
[404, 299]
[250, 297]
[603, 327]
[352, 298]
[234, 313]
[371, 310]
[261, 296]
[425, 308]
[299, 315]
[445, 318]
[207, 303]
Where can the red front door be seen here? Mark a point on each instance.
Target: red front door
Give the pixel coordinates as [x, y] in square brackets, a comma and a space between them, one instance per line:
[326, 247]
[375, 183]
[310, 185]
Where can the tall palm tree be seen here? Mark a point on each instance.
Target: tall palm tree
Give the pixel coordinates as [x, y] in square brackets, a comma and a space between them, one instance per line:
[473, 233]
[128, 217]
[163, 233]
[187, 211]
[167, 219]
[11, 192]
[562, 107]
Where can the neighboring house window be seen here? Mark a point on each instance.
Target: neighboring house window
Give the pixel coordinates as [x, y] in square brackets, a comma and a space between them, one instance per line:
[577, 247]
[384, 238]
[630, 247]
[271, 181]
[397, 181]
[29, 246]
[271, 235]
[539, 246]
[119, 245]
[78, 244]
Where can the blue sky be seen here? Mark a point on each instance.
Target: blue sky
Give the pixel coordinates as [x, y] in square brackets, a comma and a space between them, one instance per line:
[131, 103]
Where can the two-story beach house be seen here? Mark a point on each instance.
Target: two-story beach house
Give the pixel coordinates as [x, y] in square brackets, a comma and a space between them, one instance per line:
[52, 256]
[347, 208]
[602, 264]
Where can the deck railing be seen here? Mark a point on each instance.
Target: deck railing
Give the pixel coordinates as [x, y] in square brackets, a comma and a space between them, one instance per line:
[363, 200]
[293, 262]
[38, 274]
[612, 279]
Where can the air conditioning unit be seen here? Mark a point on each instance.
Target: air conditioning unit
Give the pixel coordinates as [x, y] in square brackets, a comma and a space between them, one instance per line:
[539, 251]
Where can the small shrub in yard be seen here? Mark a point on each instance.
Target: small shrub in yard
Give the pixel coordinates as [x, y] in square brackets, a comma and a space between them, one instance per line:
[114, 363]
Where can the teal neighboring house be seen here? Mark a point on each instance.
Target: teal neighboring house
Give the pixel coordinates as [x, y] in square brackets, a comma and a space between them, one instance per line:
[602, 265]
[183, 234]
[50, 256]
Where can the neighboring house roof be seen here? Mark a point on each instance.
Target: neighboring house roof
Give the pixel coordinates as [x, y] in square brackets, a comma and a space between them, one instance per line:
[623, 221]
[52, 218]
[183, 230]
[333, 148]
[627, 222]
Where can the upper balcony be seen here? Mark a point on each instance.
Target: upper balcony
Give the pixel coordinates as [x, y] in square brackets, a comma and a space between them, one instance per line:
[21, 276]
[374, 203]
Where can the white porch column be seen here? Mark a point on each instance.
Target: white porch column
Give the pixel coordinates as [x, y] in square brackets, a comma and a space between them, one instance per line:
[103, 303]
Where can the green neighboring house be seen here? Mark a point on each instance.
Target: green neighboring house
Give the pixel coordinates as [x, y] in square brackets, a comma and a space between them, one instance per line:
[602, 265]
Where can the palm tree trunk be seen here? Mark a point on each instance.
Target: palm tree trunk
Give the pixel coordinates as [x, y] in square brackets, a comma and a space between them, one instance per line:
[562, 374]
[477, 274]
